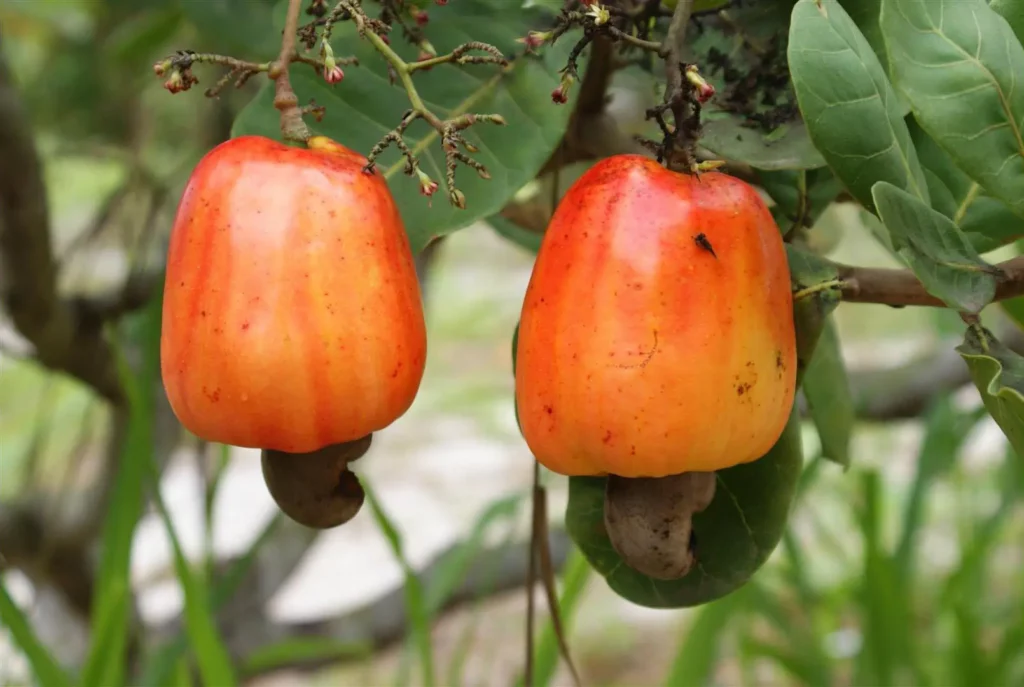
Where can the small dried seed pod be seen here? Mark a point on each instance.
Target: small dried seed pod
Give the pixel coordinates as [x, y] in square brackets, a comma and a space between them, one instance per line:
[649, 520]
[316, 489]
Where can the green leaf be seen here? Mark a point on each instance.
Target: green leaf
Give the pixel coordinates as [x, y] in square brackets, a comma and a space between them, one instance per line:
[957, 62]
[44, 666]
[864, 14]
[816, 293]
[938, 253]
[735, 534]
[236, 27]
[827, 389]
[799, 195]
[1013, 12]
[851, 110]
[698, 653]
[998, 373]
[789, 148]
[106, 660]
[365, 106]
[211, 654]
[987, 222]
[524, 238]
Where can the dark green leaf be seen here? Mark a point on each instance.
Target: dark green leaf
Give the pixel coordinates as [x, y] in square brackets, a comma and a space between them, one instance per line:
[364, 107]
[851, 110]
[816, 294]
[864, 14]
[998, 373]
[1013, 12]
[44, 666]
[829, 399]
[524, 238]
[735, 535]
[957, 62]
[244, 28]
[938, 253]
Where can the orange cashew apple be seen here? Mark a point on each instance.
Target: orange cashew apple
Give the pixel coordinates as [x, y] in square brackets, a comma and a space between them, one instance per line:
[656, 335]
[292, 317]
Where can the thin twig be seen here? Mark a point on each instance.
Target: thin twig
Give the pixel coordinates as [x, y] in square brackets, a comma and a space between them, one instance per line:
[285, 100]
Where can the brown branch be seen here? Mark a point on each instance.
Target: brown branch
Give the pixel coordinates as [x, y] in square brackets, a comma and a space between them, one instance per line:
[900, 287]
[63, 336]
[903, 392]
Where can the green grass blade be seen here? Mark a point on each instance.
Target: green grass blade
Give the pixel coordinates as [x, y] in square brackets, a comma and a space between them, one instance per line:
[416, 609]
[968, 659]
[450, 572]
[211, 654]
[159, 670]
[111, 613]
[577, 574]
[44, 666]
[302, 649]
[697, 655]
[946, 429]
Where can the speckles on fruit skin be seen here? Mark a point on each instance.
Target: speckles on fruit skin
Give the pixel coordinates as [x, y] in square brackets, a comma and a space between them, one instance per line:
[637, 334]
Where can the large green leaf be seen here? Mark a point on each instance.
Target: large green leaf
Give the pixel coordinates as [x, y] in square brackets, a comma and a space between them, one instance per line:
[987, 222]
[829, 398]
[816, 293]
[243, 28]
[851, 110]
[365, 106]
[734, 535]
[864, 14]
[938, 253]
[998, 373]
[958, 63]
[1013, 12]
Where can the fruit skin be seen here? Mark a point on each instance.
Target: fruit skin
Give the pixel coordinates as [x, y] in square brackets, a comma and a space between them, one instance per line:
[641, 353]
[292, 316]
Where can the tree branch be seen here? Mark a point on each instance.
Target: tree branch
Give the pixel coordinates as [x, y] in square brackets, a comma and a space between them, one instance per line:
[900, 287]
[65, 339]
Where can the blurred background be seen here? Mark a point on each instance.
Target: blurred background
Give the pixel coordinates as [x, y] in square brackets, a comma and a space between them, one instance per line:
[908, 568]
